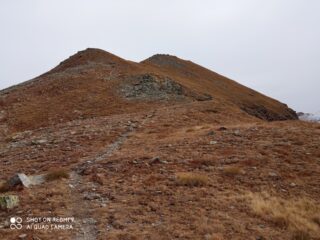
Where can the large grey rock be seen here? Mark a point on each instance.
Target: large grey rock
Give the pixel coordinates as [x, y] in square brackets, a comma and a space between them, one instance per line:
[37, 179]
[19, 179]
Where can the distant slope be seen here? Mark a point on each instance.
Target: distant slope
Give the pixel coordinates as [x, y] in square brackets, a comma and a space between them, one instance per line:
[310, 117]
[95, 83]
[219, 86]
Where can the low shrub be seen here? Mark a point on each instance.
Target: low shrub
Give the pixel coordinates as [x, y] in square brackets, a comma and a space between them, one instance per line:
[191, 179]
[296, 215]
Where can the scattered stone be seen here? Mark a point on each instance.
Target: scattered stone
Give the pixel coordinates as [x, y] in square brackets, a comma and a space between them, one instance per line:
[222, 129]
[213, 142]
[18, 179]
[211, 133]
[157, 160]
[9, 201]
[89, 221]
[98, 178]
[293, 184]
[85, 171]
[237, 133]
[39, 142]
[22, 236]
[37, 179]
[92, 196]
[272, 174]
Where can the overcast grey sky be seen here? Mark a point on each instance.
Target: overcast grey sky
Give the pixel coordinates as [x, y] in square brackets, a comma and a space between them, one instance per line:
[269, 45]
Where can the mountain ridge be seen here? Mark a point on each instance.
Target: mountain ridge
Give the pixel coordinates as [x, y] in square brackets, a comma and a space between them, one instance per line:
[98, 83]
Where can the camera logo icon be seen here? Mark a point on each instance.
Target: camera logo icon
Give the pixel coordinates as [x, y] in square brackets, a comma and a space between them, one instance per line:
[16, 223]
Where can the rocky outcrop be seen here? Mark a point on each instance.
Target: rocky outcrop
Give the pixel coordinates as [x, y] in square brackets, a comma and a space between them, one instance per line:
[94, 83]
[262, 112]
[152, 87]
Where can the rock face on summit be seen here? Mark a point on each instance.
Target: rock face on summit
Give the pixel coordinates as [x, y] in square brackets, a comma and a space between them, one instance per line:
[95, 83]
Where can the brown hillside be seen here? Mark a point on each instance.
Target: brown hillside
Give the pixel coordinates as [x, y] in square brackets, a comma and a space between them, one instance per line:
[96, 83]
[222, 88]
[157, 150]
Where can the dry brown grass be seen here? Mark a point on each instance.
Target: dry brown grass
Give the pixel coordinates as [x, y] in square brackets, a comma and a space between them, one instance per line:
[190, 130]
[233, 170]
[57, 174]
[296, 215]
[191, 179]
[300, 235]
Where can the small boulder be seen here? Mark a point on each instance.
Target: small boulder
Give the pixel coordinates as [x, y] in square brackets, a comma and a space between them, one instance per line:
[39, 142]
[273, 174]
[156, 160]
[98, 178]
[237, 133]
[22, 236]
[8, 201]
[18, 179]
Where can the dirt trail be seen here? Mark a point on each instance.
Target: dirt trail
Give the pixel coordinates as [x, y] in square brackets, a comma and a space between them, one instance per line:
[85, 223]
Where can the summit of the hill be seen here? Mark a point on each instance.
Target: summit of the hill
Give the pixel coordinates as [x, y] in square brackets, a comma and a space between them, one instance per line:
[165, 60]
[89, 56]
